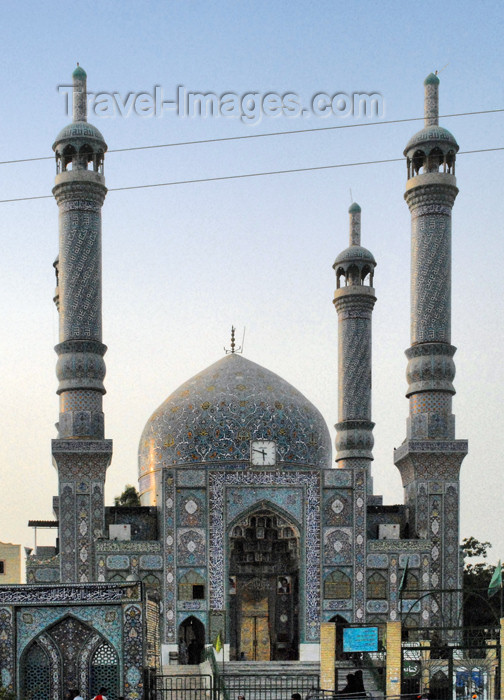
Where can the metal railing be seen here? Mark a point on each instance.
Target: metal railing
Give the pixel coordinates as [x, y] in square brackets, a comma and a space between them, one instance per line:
[182, 687]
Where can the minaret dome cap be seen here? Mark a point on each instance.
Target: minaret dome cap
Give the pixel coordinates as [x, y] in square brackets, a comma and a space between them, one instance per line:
[430, 137]
[355, 253]
[354, 208]
[431, 79]
[78, 133]
[79, 72]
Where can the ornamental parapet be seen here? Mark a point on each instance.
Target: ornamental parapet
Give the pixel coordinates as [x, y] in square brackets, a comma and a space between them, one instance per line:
[430, 368]
[437, 446]
[354, 438]
[355, 298]
[431, 190]
[83, 187]
[80, 365]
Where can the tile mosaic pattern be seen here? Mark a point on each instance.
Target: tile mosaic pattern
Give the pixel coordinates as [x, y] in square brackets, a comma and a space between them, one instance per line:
[169, 596]
[239, 500]
[191, 510]
[133, 635]
[354, 355]
[81, 474]
[431, 263]
[338, 510]
[80, 248]
[7, 646]
[359, 549]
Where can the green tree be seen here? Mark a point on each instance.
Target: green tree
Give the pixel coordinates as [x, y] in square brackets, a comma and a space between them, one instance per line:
[479, 609]
[129, 497]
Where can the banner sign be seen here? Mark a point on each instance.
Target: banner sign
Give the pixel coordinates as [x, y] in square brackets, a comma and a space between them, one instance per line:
[360, 639]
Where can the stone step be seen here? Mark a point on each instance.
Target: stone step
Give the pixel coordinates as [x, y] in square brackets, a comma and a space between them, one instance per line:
[181, 670]
[270, 668]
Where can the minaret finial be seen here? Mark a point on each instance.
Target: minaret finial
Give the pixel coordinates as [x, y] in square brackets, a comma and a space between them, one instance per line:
[79, 95]
[232, 340]
[355, 224]
[431, 100]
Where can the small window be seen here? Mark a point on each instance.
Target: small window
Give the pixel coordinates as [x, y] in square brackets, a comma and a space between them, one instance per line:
[410, 589]
[377, 586]
[191, 586]
[337, 586]
[2, 567]
[198, 592]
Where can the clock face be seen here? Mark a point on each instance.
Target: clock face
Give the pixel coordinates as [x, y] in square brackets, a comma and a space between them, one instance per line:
[263, 453]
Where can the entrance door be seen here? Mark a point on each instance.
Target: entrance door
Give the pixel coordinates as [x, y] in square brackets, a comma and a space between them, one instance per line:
[255, 640]
[255, 644]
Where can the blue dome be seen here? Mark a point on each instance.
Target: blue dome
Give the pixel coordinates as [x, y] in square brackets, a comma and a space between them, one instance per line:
[212, 418]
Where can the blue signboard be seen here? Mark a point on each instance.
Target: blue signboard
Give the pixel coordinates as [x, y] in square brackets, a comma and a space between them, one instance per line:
[360, 639]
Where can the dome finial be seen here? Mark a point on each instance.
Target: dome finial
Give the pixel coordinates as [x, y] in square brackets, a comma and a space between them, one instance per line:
[234, 349]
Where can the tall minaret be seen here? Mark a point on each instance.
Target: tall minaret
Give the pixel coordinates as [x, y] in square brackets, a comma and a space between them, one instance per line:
[80, 453]
[354, 303]
[429, 459]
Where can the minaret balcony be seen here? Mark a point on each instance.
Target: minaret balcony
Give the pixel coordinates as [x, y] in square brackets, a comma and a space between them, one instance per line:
[425, 179]
[84, 176]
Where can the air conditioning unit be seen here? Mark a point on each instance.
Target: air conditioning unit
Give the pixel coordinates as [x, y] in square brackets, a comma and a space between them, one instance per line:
[119, 532]
[388, 531]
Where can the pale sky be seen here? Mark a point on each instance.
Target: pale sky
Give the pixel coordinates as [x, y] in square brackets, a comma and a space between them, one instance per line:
[181, 264]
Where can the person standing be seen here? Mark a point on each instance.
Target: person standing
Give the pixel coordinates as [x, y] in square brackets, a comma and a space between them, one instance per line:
[101, 695]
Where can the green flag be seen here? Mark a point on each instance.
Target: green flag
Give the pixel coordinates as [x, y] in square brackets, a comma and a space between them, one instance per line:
[218, 643]
[496, 582]
[404, 576]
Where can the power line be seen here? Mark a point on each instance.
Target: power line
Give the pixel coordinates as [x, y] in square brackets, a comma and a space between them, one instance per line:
[260, 136]
[245, 175]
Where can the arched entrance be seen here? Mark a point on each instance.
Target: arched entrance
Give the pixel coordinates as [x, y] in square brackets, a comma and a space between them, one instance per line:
[191, 641]
[263, 587]
[68, 656]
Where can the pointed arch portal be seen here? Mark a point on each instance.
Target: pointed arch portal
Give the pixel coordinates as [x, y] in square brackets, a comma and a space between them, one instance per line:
[263, 586]
[69, 656]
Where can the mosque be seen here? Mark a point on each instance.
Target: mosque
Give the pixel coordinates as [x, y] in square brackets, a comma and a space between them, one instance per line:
[246, 526]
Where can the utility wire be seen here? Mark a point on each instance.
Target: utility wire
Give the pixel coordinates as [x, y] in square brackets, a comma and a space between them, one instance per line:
[260, 136]
[245, 175]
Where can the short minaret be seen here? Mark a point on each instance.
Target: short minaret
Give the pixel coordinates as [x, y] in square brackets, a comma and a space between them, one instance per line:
[80, 454]
[429, 459]
[354, 303]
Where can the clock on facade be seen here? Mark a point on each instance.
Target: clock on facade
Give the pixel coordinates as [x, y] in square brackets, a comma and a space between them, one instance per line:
[263, 453]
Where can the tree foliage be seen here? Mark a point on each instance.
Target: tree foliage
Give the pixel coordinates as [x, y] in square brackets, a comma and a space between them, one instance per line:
[129, 497]
[479, 609]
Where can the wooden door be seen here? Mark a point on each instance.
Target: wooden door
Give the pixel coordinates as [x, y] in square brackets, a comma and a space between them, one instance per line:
[255, 640]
